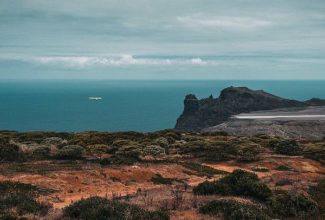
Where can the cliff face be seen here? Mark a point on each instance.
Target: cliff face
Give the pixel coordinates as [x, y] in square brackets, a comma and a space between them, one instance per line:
[199, 114]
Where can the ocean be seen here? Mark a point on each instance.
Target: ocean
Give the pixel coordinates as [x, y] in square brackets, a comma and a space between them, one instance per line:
[64, 105]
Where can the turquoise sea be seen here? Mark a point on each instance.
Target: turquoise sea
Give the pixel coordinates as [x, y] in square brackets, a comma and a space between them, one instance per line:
[64, 105]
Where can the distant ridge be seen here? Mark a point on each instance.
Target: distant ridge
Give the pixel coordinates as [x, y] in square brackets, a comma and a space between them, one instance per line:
[200, 114]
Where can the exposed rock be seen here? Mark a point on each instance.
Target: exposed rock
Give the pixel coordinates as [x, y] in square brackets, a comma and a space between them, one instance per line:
[308, 129]
[199, 114]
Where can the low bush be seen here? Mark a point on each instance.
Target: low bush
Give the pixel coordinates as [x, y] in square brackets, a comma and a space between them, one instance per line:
[126, 155]
[153, 150]
[101, 209]
[42, 152]
[57, 141]
[318, 194]
[97, 149]
[221, 151]
[19, 198]
[70, 152]
[39, 136]
[162, 142]
[260, 169]
[9, 152]
[284, 182]
[158, 179]
[120, 160]
[202, 170]
[233, 210]
[315, 151]
[287, 147]
[249, 152]
[212, 188]
[291, 204]
[239, 182]
[283, 168]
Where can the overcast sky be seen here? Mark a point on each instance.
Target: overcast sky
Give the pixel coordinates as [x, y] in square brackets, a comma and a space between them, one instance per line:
[162, 39]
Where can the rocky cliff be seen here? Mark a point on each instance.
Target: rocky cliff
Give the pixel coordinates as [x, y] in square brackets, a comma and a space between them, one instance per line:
[199, 114]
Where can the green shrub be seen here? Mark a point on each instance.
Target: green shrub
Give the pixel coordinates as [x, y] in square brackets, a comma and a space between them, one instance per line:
[127, 155]
[212, 188]
[21, 198]
[284, 182]
[39, 136]
[249, 153]
[121, 160]
[287, 147]
[283, 168]
[233, 210]
[239, 182]
[202, 170]
[90, 138]
[129, 151]
[315, 151]
[221, 151]
[69, 152]
[318, 194]
[101, 209]
[162, 142]
[97, 149]
[285, 204]
[8, 151]
[260, 169]
[42, 152]
[7, 216]
[153, 150]
[24, 188]
[158, 179]
[57, 141]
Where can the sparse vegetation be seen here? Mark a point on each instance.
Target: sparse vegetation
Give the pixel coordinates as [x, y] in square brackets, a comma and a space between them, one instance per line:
[292, 204]
[193, 154]
[71, 152]
[318, 194]
[17, 199]
[231, 210]
[42, 152]
[283, 168]
[9, 151]
[260, 169]
[239, 183]
[158, 179]
[101, 208]
[287, 147]
[284, 182]
[202, 170]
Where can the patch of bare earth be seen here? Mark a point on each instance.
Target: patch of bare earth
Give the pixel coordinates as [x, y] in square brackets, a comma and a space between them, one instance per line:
[93, 180]
[304, 171]
[133, 184]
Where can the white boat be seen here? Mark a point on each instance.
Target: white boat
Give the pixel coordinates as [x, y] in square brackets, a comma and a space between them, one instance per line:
[95, 98]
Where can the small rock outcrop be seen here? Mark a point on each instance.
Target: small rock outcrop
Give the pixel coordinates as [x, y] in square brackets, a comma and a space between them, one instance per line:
[200, 114]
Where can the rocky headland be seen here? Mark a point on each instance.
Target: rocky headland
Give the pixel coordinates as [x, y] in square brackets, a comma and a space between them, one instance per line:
[215, 114]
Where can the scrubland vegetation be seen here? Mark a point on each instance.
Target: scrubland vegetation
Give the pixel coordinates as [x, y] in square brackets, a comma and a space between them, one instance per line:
[217, 192]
